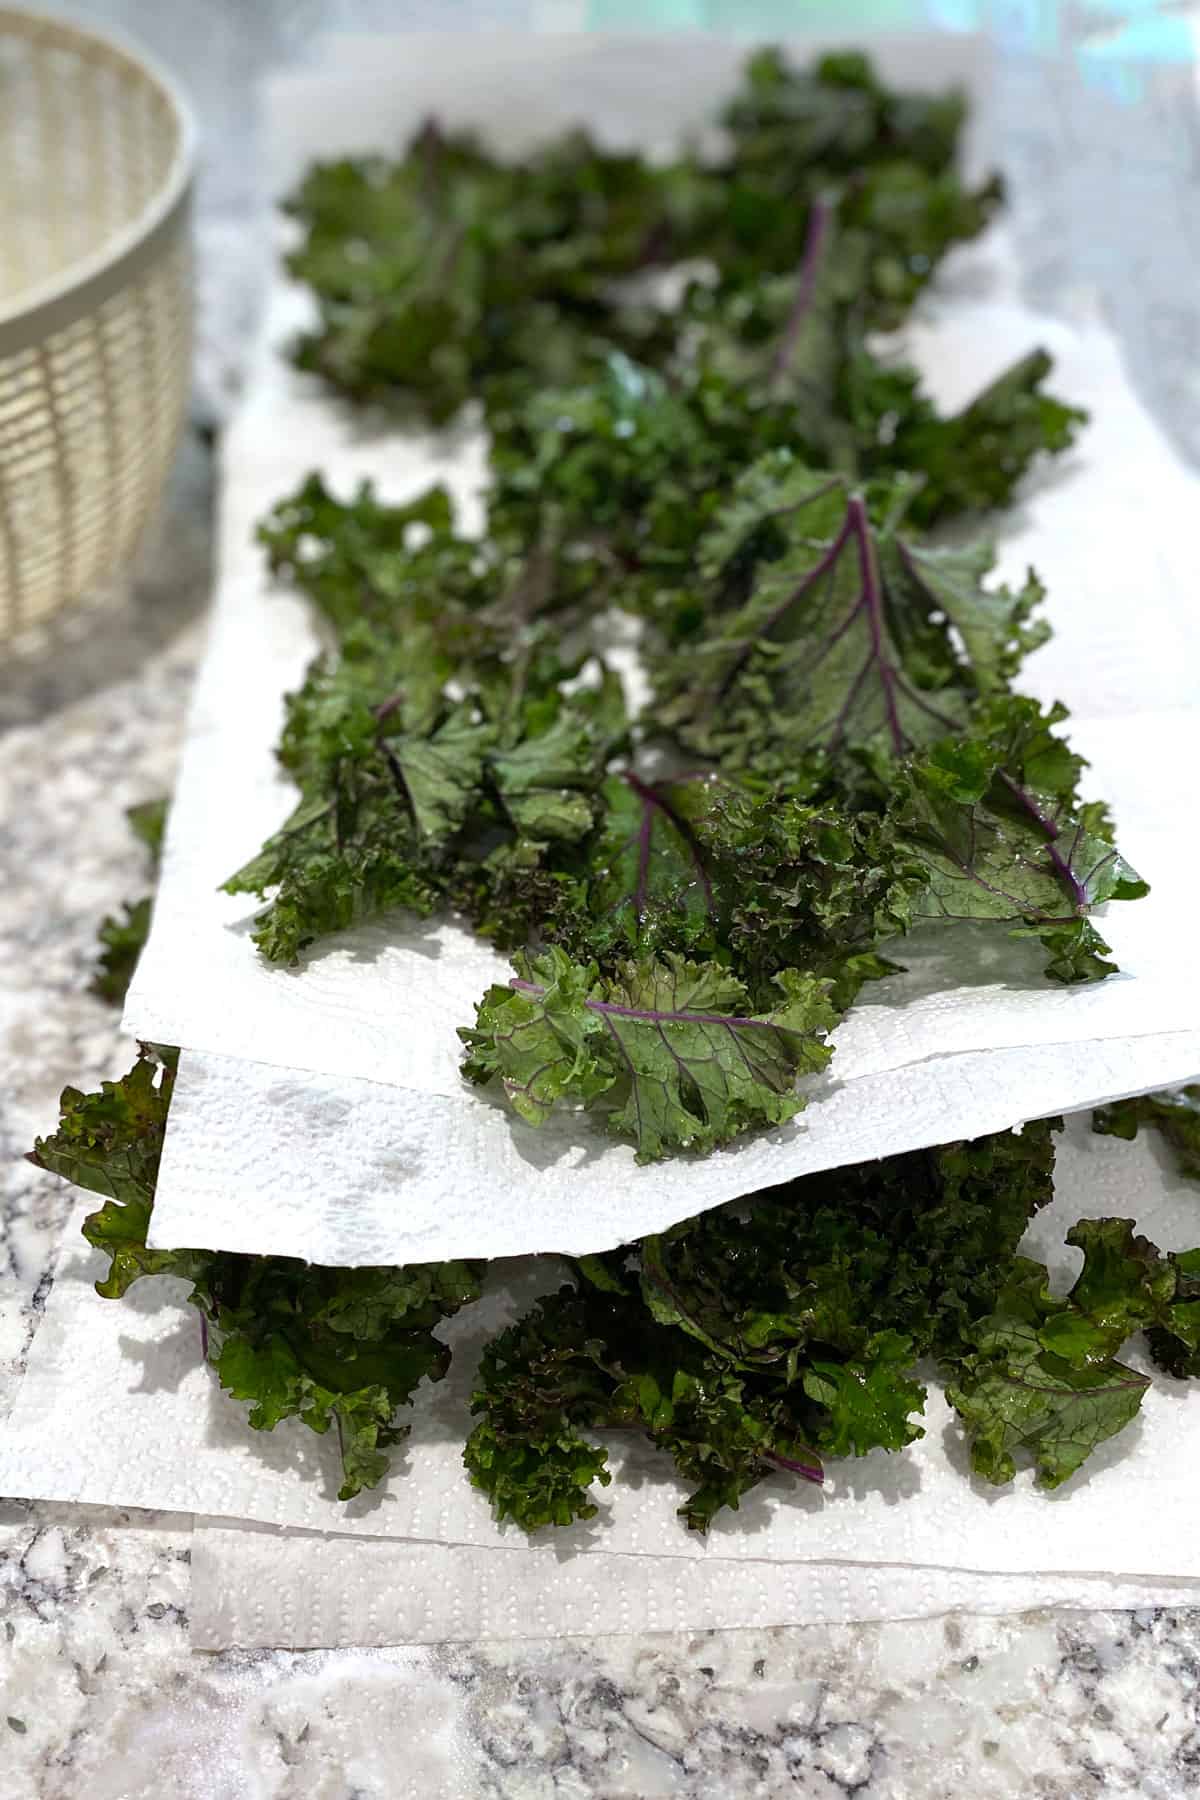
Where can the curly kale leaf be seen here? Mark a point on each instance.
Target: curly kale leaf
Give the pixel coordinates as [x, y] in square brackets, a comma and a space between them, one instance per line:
[1037, 1375]
[1174, 1336]
[834, 114]
[846, 640]
[335, 862]
[781, 345]
[123, 938]
[994, 847]
[915, 1244]
[545, 782]
[584, 1360]
[705, 866]
[869, 1401]
[449, 269]
[438, 775]
[110, 1142]
[624, 476]
[787, 359]
[617, 469]
[401, 791]
[889, 156]
[668, 1052]
[537, 1383]
[973, 460]
[778, 1331]
[650, 883]
[813, 886]
[341, 1347]
[361, 561]
[757, 1339]
[1176, 1115]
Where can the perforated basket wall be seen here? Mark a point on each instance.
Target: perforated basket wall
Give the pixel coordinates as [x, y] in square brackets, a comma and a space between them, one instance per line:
[95, 308]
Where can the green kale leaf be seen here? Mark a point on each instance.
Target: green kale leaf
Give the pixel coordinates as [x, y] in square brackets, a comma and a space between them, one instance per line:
[974, 460]
[110, 1142]
[753, 1341]
[668, 1051]
[587, 1360]
[122, 939]
[846, 639]
[1039, 1373]
[340, 1347]
[993, 848]
[869, 1401]
[1176, 1115]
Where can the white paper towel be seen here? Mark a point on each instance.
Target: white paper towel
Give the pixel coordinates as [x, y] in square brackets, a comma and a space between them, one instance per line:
[253, 1586]
[381, 1005]
[268, 1160]
[117, 1409]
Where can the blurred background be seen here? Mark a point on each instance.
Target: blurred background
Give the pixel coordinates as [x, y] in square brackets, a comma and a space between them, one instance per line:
[1095, 115]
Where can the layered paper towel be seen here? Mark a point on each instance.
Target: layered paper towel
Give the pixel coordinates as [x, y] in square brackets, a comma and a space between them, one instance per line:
[254, 1587]
[138, 1420]
[380, 1005]
[263, 1160]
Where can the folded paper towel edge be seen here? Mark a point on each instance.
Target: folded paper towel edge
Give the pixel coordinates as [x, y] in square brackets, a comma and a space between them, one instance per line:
[264, 1588]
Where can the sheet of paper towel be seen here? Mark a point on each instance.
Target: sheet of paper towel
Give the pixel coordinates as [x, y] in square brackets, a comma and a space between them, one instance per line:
[280, 1161]
[253, 1586]
[138, 1420]
[381, 1006]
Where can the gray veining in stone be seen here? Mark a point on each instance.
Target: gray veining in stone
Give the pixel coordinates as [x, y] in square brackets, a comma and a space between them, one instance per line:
[100, 1695]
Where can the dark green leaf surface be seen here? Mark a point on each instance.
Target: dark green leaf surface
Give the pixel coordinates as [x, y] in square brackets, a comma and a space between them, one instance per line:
[869, 1401]
[340, 1347]
[847, 639]
[110, 1142]
[123, 938]
[672, 1049]
[1015, 1394]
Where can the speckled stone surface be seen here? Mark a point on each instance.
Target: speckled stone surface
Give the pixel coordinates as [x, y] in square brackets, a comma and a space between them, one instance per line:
[100, 1695]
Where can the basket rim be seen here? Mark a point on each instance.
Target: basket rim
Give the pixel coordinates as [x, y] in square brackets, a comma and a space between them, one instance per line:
[83, 285]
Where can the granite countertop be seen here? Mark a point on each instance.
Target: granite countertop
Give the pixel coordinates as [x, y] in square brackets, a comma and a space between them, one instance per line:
[100, 1694]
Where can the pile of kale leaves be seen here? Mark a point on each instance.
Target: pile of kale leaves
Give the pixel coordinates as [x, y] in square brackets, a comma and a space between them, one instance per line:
[694, 891]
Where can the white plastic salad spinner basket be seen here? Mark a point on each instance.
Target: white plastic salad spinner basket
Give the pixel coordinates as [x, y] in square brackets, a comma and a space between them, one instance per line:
[96, 152]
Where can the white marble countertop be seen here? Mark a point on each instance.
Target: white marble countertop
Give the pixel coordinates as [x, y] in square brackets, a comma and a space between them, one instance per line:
[100, 1694]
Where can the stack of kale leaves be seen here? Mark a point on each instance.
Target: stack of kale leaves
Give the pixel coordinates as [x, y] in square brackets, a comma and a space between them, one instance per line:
[747, 484]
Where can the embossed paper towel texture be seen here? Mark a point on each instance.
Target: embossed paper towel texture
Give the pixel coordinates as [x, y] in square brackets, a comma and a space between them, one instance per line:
[267, 1160]
[383, 1008]
[253, 1586]
[139, 1421]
